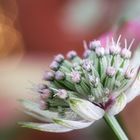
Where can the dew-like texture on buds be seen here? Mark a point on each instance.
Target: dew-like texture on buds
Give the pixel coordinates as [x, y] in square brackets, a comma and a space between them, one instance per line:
[78, 91]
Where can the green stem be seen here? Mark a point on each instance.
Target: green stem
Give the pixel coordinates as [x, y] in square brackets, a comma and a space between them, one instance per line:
[114, 125]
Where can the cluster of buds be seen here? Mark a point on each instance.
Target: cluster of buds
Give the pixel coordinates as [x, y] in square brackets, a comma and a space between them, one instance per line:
[78, 91]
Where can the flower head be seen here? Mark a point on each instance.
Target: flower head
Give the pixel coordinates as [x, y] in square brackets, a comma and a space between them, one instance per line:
[80, 91]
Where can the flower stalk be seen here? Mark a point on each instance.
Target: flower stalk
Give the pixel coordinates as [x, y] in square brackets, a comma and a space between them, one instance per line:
[115, 126]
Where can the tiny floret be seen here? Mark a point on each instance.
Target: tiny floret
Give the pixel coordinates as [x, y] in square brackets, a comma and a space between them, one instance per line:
[75, 76]
[110, 71]
[71, 55]
[48, 75]
[54, 65]
[94, 44]
[59, 75]
[100, 51]
[59, 58]
[62, 93]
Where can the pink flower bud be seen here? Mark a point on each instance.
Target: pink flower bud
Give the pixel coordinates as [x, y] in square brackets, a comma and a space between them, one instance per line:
[59, 75]
[54, 65]
[76, 77]
[87, 65]
[59, 58]
[48, 76]
[94, 44]
[45, 94]
[100, 51]
[71, 54]
[62, 93]
[125, 53]
[110, 71]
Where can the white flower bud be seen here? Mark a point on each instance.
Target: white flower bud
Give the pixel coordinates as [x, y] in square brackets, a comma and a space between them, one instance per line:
[76, 77]
[41, 87]
[54, 65]
[59, 75]
[42, 105]
[59, 58]
[94, 44]
[62, 93]
[115, 49]
[100, 51]
[87, 65]
[45, 94]
[125, 53]
[110, 71]
[71, 55]
[48, 75]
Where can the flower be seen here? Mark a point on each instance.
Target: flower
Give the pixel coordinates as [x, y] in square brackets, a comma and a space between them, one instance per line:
[79, 91]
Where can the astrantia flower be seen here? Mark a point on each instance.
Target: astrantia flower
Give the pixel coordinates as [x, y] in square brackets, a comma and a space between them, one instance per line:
[78, 91]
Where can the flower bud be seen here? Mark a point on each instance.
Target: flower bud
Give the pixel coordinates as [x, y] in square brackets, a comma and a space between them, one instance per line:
[110, 71]
[126, 53]
[48, 76]
[76, 77]
[115, 49]
[87, 65]
[94, 44]
[71, 55]
[62, 93]
[94, 81]
[54, 65]
[59, 75]
[86, 53]
[41, 87]
[100, 51]
[59, 58]
[45, 94]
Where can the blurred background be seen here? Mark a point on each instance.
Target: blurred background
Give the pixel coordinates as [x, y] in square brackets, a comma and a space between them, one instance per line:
[33, 31]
